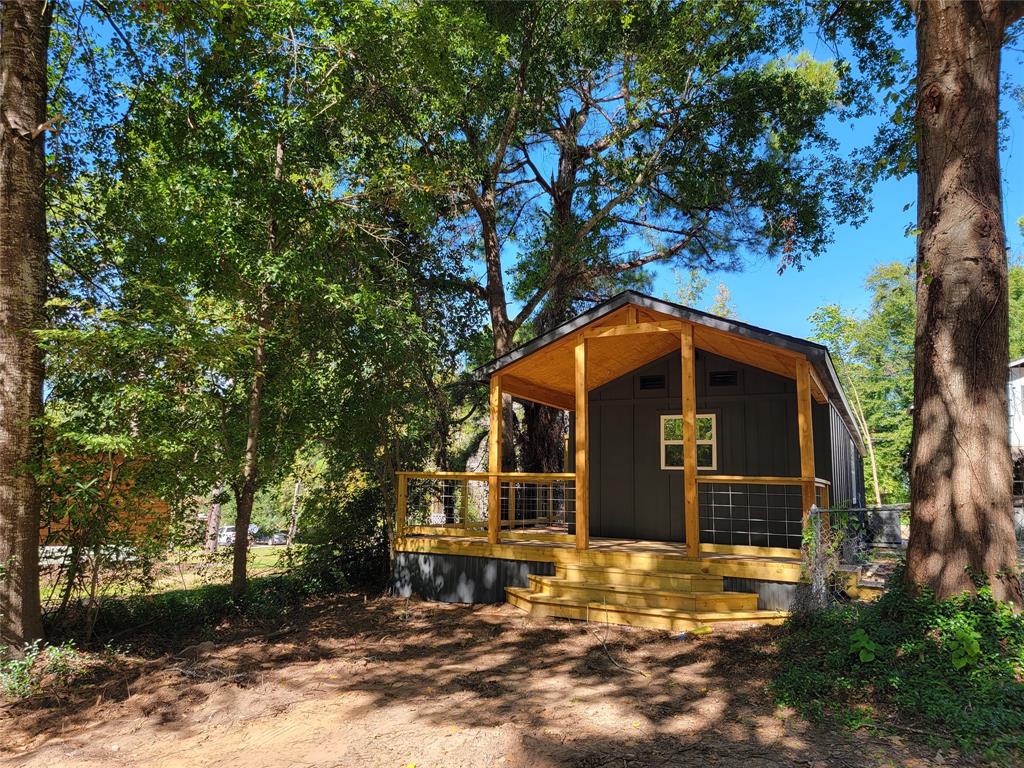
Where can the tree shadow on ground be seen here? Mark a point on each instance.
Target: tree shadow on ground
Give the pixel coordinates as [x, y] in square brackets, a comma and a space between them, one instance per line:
[574, 694]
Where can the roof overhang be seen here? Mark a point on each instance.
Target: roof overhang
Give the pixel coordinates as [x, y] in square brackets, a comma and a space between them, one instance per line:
[543, 369]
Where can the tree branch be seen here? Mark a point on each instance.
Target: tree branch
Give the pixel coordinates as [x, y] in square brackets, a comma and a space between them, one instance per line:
[536, 171]
[513, 113]
[641, 178]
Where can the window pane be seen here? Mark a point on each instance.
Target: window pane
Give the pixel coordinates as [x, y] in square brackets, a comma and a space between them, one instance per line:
[704, 428]
[673, 455]
[704, 455]
[673, 428]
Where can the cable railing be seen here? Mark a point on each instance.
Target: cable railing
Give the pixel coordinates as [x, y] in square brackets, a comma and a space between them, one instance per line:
[458, 503]
[755, 511]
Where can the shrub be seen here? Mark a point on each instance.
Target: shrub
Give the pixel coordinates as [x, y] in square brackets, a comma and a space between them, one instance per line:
[62, 662]
[346, 534]
[24, 675]
[955, 667]
[181, 613]
[18, 674]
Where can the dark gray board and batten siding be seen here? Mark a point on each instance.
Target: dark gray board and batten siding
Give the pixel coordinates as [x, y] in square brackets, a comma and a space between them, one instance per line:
[631, 496]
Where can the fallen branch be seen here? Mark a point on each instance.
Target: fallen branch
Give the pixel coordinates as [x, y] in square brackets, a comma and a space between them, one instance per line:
[608, 653]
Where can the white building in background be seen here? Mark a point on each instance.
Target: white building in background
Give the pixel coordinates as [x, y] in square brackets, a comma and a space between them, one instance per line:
[1015, 397]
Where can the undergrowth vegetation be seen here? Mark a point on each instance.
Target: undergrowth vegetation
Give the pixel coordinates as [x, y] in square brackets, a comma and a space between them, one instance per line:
[36, 666]
[196, 612]
[162, 620]
[952, 671]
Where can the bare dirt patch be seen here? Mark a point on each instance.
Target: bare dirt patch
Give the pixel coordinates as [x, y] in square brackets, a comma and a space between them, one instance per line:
[387, 682]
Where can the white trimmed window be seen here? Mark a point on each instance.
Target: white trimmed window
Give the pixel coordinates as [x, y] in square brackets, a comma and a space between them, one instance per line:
[672, 441]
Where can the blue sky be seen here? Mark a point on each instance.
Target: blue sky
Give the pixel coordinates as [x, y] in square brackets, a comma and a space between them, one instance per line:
[784, 302]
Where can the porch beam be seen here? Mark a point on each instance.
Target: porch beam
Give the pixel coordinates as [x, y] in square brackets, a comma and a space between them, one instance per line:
[805, 431]
[605, 331]
[817, 388]
[537, 393]
[494, 443]
[747, 352]
[582, 448]
[690, 513]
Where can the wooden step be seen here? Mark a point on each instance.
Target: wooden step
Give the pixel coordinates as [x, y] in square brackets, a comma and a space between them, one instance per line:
[643, 597]
[539, 604]
[681, 582]
[654, 562]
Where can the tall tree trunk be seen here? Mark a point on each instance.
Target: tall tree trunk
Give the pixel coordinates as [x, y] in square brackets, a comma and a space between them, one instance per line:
[869, 441]
[245, 492]
[24, 38]
[542, 441]
[213, 520]
[501, 326]
[293, 518]
[542, 437]
[443, 432]
[961, 478]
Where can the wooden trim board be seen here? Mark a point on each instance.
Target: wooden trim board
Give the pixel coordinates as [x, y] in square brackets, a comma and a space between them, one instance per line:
[740, 566]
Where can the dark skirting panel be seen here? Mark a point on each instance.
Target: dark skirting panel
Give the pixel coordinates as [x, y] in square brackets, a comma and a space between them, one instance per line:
[771, 595]
[461, 579]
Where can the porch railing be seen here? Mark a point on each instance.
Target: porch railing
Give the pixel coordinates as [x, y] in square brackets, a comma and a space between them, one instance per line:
[458, 503]
[766, 512]
[734, 510]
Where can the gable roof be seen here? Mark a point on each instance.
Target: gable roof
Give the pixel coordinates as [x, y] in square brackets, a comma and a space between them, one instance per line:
[815, 353]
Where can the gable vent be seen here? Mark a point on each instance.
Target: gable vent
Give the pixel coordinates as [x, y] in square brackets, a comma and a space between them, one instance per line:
[722, 379]
[652, 382]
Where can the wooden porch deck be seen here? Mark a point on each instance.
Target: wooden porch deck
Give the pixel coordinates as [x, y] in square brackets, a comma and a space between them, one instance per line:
[551, 545]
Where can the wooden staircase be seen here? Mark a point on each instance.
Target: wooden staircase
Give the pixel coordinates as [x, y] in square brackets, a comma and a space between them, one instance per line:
[677, 596]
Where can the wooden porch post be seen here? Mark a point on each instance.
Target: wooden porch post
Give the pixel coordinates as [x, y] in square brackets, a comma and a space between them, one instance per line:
[805, 430]
[690, 512]
[403, 503]
[494, 462]
[582, 471]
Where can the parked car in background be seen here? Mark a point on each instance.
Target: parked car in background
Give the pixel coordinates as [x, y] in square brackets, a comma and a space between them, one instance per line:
[226, 535]
[279, 538]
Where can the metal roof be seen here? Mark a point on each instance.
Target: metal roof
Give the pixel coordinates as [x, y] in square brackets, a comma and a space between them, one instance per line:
[816, 354]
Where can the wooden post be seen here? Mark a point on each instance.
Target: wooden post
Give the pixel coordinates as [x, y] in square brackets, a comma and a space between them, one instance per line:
[805, 431]
[464, 502]
[691, 514]
[582, 470]
[494, 462]
[403, 503]
[511, 504]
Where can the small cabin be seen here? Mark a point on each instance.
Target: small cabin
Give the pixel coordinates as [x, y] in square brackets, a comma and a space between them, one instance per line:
[700, 449]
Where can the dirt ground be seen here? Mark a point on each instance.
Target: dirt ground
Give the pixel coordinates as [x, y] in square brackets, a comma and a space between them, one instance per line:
[367, 682]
